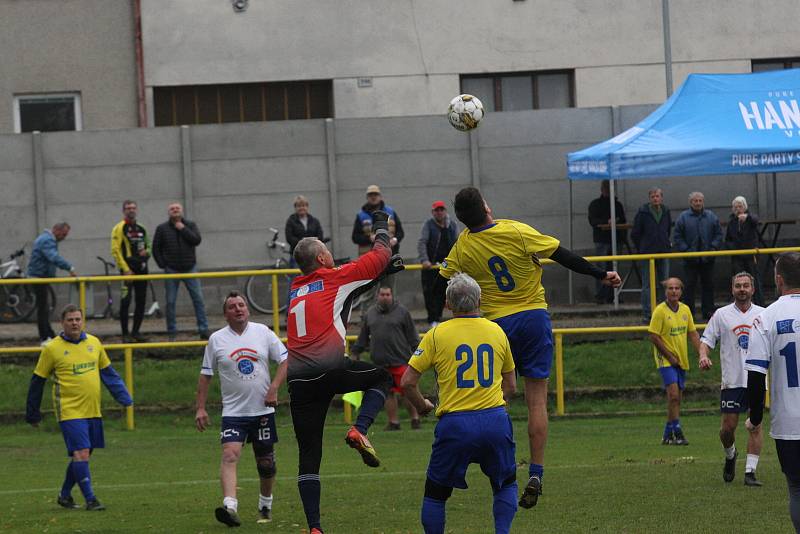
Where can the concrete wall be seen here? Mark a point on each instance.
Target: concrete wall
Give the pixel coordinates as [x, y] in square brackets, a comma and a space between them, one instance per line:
[83, 46]
[415, 51]
[237, 180]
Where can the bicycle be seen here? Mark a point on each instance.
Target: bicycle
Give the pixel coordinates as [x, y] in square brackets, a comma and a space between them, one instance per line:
[109, 267]
[18, 301]
[258, 289]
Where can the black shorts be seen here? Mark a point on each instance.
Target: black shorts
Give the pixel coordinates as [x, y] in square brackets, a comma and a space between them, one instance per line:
[789, 456]
[733, 400]
[254, 429]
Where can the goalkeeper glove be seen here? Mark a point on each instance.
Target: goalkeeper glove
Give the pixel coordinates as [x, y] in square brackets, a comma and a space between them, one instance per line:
[395, 265]
[380, 220]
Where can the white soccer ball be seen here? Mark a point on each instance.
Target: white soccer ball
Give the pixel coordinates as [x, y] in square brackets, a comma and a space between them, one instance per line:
[465, 112]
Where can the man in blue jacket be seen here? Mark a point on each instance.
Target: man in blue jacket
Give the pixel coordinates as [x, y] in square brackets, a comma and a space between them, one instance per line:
[696, 230]
[650, 234]
[44, 261]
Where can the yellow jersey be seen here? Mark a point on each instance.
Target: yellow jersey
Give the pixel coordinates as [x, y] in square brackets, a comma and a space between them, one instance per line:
[74, 369]
[469, 355]
[673, 327]
[504, 259]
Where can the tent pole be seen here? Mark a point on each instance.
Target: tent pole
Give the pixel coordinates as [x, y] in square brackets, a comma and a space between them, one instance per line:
[613, 221]
[571, 247]
[667, 45]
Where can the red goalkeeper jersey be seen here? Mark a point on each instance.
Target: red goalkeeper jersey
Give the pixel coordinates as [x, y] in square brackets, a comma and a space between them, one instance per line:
[319, 309]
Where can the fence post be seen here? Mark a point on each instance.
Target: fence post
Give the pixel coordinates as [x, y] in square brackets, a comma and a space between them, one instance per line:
[276, 312]
[652, 276]
[82, 296]
[129, 384]
[559, 374]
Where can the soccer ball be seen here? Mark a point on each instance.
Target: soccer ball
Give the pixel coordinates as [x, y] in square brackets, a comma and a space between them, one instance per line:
[465, 112]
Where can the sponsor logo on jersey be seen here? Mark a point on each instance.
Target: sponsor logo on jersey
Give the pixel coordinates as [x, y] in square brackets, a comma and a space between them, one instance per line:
[302, 291]
[418, 352]
[785, 326]
[83, 368]
[245, 360]
[742, 333]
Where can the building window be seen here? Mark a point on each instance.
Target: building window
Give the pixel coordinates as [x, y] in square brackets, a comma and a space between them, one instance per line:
[246, 102]
[763, 65]
[528, 90]
[47, 112]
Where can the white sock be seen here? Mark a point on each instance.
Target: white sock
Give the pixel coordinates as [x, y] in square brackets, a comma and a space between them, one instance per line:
[264, 501]
[730, 452]
[751, 464]
[231, 503]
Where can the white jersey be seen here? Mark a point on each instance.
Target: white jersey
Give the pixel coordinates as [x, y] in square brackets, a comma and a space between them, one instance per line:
[731, 327]
[773, 346]
[242, 362]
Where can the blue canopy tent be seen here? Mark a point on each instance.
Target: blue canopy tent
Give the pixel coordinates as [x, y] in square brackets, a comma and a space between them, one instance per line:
[713, 124]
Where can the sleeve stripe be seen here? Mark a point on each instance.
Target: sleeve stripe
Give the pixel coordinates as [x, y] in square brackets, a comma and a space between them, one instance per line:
[759, 363]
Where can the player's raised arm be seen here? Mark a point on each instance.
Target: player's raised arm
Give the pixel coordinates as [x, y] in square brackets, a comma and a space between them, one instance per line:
[577, 264]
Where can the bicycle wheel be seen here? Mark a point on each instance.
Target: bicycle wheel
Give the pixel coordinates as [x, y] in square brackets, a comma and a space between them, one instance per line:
[17, 303]
[258, 290]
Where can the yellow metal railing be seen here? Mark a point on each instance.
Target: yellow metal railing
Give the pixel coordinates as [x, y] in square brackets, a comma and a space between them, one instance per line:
[558, 333]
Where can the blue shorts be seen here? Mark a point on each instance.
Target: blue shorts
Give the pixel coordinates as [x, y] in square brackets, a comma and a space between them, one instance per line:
[733, 400]
[253, 429]
[531, 338]
[673, 375]
[483, 437]
[83, 434]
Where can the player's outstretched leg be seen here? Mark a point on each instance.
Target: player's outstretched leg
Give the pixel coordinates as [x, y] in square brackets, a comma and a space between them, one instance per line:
[433, 507]
[536, 398]
[504, 508]
[358, 441]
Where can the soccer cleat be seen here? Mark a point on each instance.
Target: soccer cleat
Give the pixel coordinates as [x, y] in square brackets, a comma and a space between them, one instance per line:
[729, 471]
[315, 530]
[67, 502]
[680, 439]
[751, 480]
[227, 516]
[264, 515]
[530, 495]
[669, 440]
[94, 506]
[359, 442]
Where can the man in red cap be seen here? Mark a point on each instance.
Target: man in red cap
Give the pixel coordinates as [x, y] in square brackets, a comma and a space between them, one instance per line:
[437, 238]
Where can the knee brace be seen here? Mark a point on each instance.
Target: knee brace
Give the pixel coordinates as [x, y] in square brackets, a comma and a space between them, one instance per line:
[265, 460]
[437, 491]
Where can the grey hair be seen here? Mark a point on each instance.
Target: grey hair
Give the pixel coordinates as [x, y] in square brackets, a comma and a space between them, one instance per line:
[306, 252]
[695, 194]
[739, 199]
[463, 294]
[654, 190]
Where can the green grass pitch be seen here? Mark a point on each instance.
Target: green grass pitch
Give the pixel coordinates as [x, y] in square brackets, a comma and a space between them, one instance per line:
[605, 474]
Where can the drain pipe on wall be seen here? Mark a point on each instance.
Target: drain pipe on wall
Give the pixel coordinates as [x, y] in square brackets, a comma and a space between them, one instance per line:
[140, 96]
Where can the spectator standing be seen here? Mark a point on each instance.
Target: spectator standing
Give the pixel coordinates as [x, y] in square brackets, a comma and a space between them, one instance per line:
[600, 214]
[301, 224]
[44, 261]
[742, 233]
[437, 238]
[363, 231]
[388, 332]
[652, 226]
[670, 327]
[77, 363]
[131, 251]
[174, 246]
[697, 230]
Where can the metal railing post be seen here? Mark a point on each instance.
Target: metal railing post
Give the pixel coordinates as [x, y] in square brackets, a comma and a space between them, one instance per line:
[82, 296]
[559, 374]
[276, 312]
[652, 276]
[129, 384]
